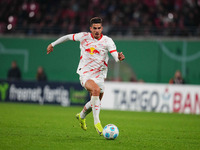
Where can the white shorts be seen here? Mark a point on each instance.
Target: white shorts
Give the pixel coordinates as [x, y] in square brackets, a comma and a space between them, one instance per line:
[98, 81]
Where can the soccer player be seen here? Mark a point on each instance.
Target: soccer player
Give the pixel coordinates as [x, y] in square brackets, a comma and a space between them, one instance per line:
[92, 67]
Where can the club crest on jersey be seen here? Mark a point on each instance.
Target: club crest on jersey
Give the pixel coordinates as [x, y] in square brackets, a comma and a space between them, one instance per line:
[92, 51]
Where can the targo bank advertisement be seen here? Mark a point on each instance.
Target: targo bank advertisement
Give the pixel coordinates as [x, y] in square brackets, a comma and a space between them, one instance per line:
[152, 97]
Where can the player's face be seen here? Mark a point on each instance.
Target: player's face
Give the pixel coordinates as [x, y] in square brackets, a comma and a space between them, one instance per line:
[96, 30]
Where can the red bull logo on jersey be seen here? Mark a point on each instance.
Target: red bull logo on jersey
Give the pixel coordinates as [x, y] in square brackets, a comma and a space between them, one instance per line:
[92, 51]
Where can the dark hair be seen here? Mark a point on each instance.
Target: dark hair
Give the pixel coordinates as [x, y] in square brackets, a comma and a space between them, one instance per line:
[95, 20]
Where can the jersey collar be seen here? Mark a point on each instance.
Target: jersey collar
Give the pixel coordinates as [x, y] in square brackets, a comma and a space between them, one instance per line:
[99, 38]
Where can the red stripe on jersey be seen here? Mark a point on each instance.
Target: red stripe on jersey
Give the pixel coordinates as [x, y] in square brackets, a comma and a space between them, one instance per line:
[88, 63]
[81, 57]
[96, 71]
[105, 64]
[113, 51]
[88, 71]
[73, 37]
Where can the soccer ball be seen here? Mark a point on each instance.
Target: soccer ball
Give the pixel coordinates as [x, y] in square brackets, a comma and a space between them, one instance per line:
[110, 132]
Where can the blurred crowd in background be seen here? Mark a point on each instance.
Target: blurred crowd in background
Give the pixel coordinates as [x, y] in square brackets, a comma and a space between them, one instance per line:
[123, 17]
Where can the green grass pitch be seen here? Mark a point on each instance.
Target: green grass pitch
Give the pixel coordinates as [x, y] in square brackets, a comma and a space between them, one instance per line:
[31, 126]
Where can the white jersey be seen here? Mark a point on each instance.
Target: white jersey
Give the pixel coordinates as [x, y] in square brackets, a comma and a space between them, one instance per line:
[93, 55]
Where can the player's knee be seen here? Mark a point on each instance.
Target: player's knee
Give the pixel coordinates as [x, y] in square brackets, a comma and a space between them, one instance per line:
[96, 91]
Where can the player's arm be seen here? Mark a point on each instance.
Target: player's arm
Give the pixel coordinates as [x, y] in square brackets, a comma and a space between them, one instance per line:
[117, 56]
[112, 49]
[49, 48]
[121, 56]
[58, 41]
[74, 37]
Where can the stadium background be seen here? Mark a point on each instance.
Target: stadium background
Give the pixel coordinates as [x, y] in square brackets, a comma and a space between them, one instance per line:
[157, 37]
[143, 30]
[145, 59]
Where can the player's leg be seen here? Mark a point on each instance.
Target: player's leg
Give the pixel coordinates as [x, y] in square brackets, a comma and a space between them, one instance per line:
[94, 89]
[101, 96]
[98, 126]
[87, 108]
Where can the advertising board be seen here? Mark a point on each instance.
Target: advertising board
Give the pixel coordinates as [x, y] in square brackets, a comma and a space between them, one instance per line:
[152, 97]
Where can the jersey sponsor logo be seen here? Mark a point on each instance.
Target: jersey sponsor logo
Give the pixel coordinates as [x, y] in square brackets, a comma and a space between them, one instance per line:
[92, 51]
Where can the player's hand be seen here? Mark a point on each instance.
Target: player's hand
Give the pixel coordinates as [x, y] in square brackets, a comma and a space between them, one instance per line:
[121, 56]
[49, 49]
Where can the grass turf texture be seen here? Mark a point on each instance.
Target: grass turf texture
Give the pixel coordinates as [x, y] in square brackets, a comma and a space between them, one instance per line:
[31, 126]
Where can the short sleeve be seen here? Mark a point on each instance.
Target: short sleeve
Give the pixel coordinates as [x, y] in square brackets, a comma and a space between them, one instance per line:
[112, 49]
[111, 45]
[78, 36]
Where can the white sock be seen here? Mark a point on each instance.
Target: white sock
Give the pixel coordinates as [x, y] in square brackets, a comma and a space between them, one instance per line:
[95, 104]
[86, 110]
